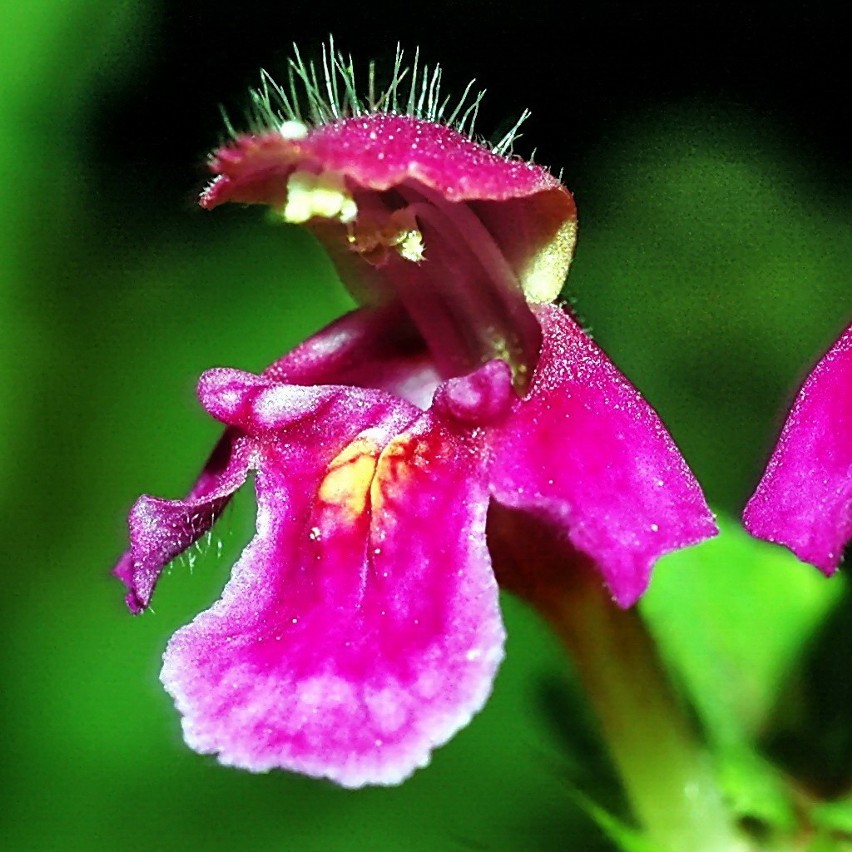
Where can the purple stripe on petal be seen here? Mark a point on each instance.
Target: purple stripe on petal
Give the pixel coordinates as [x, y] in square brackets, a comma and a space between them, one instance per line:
[361, 627]
[804, 500]
[585, 451]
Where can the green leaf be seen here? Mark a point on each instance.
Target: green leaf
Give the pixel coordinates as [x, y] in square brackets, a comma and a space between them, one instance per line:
[755, 789]
[826, 843]
[624, 836]
[834, 816]
[733, 617]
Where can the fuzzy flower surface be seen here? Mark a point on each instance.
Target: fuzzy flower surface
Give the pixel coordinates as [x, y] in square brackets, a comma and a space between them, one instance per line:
[361, 628]
[804, 499]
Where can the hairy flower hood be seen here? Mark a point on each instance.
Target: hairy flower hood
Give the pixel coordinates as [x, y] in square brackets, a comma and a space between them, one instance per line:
[530, 214]
[361, 627]
[415, 213]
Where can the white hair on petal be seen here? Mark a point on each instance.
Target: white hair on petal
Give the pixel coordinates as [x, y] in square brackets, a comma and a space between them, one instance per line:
[324, 91]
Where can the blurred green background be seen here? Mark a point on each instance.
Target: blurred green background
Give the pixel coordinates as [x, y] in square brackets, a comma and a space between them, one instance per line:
[712, 177]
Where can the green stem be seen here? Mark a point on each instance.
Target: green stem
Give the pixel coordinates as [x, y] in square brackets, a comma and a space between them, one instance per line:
[667, 775]
[666, 772]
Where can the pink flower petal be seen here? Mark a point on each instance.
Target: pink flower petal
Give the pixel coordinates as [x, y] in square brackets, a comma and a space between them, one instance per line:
[360, 628]
[415, 212]
[529, 213]
[161, 529]
[585, 450]
[481, 398]
[369, 347]
[804, 500]
[330, 414]
[377, 151]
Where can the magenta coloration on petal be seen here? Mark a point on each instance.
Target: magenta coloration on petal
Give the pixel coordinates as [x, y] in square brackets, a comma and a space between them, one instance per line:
[482, 398]
[160, 529]
[378, 152]
[804, 500]
[263, 407]
[361, 627]
[417, 214]
[521, 206]
[585, 450]
[369, 347]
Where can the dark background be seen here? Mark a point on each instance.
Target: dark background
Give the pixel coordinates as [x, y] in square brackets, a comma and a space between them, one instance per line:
[580, 68]
[738, 82]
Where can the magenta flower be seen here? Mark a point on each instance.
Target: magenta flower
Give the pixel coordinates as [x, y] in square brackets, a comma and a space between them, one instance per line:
[804, 500]
[361, 627]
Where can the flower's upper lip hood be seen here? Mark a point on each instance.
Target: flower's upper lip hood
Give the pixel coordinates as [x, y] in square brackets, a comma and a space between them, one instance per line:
[502, 230]
[380, 151]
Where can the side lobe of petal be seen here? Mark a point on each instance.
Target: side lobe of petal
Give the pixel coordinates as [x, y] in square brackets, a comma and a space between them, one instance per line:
[256, 409]
[161, 529]
[361, 627]
[585, 451]
[804, 500]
